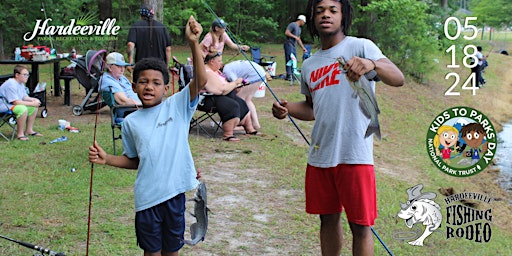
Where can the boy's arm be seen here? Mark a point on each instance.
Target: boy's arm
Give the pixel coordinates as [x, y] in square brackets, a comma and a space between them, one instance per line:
[193, 32]
[98, 156]
[302, 110]
[386, 70]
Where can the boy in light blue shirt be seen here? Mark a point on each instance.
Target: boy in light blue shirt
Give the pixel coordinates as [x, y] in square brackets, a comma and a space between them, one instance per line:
[155, 142]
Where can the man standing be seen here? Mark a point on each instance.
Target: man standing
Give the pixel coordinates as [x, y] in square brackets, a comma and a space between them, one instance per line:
[292, 34]
[149, 38]
[24, 107]
[339, 174]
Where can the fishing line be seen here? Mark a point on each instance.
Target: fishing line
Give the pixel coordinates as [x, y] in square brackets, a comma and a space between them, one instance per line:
[46, 17]
[254, 68]
[277, 99]
[98, 106]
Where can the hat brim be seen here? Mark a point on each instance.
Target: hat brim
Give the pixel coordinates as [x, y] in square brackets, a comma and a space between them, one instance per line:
[121, 64]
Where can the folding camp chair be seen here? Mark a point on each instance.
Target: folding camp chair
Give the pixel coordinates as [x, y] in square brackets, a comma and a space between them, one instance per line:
[117, 114]
[295, 70]
[207, 114]
[7, 118]
[266, 61]
[307, 54]
[185, 74]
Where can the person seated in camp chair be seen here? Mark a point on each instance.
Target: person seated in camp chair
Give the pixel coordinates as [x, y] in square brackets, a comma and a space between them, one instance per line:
[24, 107]
[114, 82]
[233, 110]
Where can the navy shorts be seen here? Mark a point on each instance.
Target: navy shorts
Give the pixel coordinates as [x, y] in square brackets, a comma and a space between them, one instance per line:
[161, 227]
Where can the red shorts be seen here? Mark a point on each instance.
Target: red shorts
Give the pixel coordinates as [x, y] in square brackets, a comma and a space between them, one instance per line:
[329, 190]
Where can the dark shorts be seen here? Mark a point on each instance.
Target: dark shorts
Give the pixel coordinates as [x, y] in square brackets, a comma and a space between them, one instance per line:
[346, 186]
[161, 227]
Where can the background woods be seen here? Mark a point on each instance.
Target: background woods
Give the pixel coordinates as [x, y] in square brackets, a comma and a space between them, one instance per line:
[404, 29]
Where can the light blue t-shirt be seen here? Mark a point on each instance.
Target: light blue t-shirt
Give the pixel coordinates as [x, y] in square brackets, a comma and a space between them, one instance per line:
[338, 134]
[12, 90]
[158, 136]
[108, 83]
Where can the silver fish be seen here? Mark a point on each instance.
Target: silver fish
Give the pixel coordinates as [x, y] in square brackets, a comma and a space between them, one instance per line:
[367, 100]
[198, 229]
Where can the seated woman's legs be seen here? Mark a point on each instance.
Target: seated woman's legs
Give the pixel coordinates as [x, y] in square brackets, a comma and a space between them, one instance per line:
[246, 120]
[229, 112]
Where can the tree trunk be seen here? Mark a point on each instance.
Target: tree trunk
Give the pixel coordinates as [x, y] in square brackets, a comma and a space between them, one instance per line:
[444, 4]
[105, 9]
[362, 28]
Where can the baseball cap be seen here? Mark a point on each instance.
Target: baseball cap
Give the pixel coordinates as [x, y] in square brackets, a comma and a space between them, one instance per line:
[219, 23]
[116, 58]
[302, 17]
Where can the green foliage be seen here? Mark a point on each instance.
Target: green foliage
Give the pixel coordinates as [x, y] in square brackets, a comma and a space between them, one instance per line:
[410, 36]
[495, 13]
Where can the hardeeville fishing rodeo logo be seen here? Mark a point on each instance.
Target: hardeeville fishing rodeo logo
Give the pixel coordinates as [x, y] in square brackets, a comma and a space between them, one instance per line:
[461, 141]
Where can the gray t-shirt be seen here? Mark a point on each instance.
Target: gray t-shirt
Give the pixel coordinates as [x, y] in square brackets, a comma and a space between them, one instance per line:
[340, 125]
[294, 29]
[11, 90]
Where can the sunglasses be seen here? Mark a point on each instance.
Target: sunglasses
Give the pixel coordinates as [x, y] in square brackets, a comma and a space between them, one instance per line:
[210, 57]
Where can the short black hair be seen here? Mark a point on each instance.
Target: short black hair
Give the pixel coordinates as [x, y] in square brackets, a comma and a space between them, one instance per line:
[347, 13]
[151, 63]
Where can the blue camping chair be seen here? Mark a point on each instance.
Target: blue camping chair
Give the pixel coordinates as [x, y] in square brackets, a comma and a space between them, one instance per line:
[262, 60]
[117, 113]
[307, 54]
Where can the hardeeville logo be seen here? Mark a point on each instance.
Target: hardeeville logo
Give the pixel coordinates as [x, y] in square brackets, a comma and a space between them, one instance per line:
[83, 26]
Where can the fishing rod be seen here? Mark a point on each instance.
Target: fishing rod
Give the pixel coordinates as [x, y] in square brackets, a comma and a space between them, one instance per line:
[40, 249]
[254, 68]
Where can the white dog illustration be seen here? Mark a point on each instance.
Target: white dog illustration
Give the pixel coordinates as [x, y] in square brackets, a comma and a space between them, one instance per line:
[420, 209]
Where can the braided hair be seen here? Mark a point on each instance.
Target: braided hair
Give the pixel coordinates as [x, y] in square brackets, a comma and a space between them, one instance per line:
[147, 13]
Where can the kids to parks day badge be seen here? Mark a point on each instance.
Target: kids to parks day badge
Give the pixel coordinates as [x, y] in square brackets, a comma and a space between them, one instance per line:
[461, 141]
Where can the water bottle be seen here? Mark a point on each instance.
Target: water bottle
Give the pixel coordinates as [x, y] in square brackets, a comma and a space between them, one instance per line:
[17, 54]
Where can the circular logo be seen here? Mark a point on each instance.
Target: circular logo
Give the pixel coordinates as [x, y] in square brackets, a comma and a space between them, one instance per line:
[461, 141]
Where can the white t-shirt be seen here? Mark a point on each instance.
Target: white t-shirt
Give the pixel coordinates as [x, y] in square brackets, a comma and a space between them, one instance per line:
[248, 70]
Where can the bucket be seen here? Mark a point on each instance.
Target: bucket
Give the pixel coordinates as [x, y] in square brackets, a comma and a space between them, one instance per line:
[271, 68]
[62, 124]
[260, 93]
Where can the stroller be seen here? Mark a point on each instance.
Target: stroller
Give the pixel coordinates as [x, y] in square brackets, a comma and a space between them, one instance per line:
[88, 71]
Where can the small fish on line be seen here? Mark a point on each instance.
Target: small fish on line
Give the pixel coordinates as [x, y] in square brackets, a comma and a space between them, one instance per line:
[367, 100]
[198, 229]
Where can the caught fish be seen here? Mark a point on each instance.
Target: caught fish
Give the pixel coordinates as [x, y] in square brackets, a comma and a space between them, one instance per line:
[198, 229]
[367, 100]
